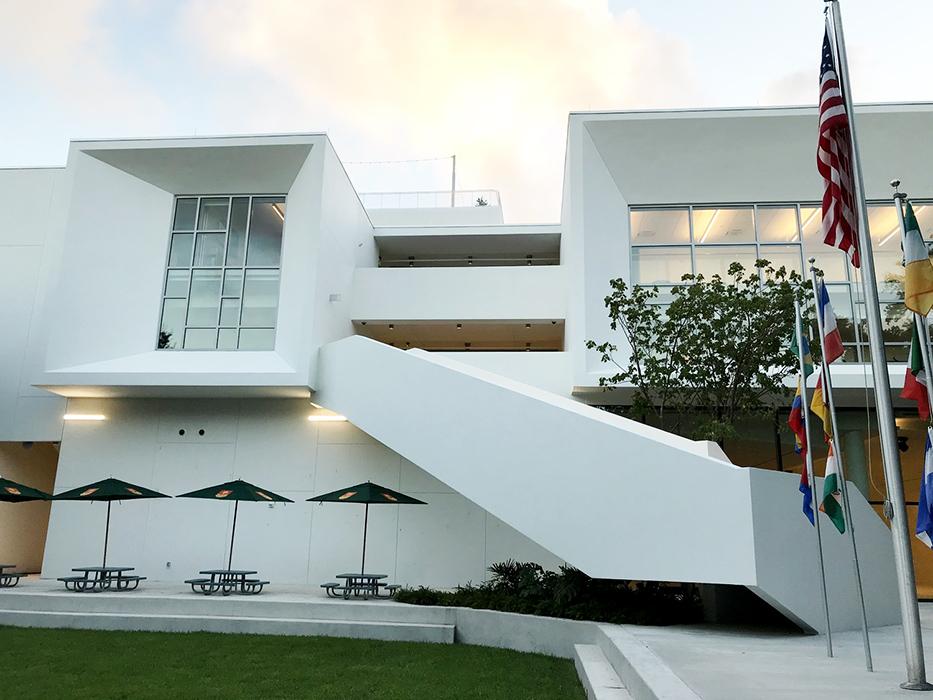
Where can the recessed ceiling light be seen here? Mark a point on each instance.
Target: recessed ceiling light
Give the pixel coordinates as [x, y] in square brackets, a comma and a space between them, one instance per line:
[84, 416]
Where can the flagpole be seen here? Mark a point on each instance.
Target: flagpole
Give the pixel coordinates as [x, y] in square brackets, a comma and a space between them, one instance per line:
[919, 319]
[903, 560]
[805, 410]
[840, 465]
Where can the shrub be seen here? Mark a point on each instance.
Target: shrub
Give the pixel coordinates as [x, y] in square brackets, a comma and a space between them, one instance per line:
[526, 587]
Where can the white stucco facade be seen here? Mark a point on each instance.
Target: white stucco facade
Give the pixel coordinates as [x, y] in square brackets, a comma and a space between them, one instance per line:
[497, 440]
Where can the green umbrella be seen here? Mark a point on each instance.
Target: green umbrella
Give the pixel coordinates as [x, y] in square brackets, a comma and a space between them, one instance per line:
[11, 492]
[236, 491]
[367, 493]
[108, 490]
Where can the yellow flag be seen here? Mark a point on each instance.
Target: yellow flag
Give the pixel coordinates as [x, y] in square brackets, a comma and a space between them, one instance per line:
[918, 272]
[820, 408]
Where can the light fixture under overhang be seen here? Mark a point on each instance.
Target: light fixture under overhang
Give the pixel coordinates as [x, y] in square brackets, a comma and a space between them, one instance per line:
[278, 212]
[84, 416]
[327, 418]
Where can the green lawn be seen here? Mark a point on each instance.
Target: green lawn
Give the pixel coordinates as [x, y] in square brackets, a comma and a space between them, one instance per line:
[43, 663]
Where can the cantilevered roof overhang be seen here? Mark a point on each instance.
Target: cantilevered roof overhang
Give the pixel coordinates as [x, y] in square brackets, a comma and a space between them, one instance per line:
[255, 164]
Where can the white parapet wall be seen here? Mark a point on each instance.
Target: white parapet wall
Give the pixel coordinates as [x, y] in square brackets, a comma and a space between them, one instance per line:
[612, 497]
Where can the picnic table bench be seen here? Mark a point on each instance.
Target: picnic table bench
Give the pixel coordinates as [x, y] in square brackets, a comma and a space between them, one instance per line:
[360, 586]
[227, 581]
[8, 579]
[102, 578]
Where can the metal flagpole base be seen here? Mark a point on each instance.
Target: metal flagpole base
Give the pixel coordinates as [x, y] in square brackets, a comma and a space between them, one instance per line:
[920, 685]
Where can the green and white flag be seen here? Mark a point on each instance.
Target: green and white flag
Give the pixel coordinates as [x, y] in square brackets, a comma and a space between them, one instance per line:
[832, 495]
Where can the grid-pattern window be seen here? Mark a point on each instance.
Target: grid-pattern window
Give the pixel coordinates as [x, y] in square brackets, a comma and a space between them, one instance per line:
[221, 289]
[669, 242]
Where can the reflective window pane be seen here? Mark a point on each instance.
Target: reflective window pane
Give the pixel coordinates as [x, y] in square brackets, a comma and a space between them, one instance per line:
[173, 324]
[660, 265]
[233, 283]
[229, 312]
[213, 214]
[185, 211]
[176, 283]
[200, 339]
[777, 225]
[715, 260]
[260, 298]
[180, 255]
[205, 298]
[831, 261]
[209, 250]
[841, 299]
[786, 256]
[652, 226]
[227, 338]
[896, 320]
[723, 225]
[265, 231]
[886, 246]
[236, 239]
[257, 339]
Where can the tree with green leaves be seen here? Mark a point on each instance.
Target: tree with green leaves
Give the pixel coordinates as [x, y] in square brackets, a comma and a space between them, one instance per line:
[719, 351]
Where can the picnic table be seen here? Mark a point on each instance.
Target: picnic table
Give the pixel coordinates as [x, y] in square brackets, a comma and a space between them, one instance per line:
[8, 579]
[102, 578]
[359, 585]
[227, 581]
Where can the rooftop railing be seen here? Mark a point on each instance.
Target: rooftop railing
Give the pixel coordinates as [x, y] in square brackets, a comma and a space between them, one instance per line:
[430, 200]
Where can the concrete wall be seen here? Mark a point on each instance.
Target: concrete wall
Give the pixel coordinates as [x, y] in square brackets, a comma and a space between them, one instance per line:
[23, 525]
[27, 202]
[344, 243]
[459, 293]
[271, 443]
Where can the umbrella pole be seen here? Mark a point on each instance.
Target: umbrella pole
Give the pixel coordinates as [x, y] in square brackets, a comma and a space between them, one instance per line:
[232, 535]
[365, 527]
[107, 533]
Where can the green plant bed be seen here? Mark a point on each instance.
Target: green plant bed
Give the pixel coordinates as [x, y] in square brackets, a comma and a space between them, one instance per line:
[525, 587]
[41, 663]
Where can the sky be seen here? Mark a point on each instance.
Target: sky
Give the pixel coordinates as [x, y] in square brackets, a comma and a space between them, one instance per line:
[491, 81]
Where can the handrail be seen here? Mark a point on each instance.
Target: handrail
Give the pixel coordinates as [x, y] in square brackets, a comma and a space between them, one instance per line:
[433, 199]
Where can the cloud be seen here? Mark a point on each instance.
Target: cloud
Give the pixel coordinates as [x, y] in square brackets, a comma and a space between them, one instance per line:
[65, 52]
[489, 80]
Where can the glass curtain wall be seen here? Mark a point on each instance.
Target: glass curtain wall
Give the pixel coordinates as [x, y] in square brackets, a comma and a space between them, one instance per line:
[668, 242]
[221, 287]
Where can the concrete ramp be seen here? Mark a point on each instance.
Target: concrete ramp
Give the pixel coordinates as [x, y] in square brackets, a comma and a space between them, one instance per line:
[612, 497]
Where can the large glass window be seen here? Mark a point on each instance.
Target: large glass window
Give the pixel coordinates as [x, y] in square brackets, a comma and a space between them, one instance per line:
[221, 288]
[660, 226]
[668, 242]
[723, 225]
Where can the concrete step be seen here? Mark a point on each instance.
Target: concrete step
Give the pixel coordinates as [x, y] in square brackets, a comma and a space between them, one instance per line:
[356, 629]
[596, 674]
[192, 604]
[645, 675]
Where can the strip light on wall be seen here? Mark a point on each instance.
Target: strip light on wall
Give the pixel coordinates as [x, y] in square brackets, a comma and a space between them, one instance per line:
[326, 418]
[84, 416]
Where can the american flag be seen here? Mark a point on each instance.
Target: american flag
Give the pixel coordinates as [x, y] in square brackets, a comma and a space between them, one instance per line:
[834, 161]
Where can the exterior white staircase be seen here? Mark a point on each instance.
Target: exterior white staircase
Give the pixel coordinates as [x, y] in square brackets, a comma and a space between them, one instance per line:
[615, 498]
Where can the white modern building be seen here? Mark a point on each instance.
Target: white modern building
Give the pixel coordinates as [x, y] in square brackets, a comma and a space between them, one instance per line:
[180, 312]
